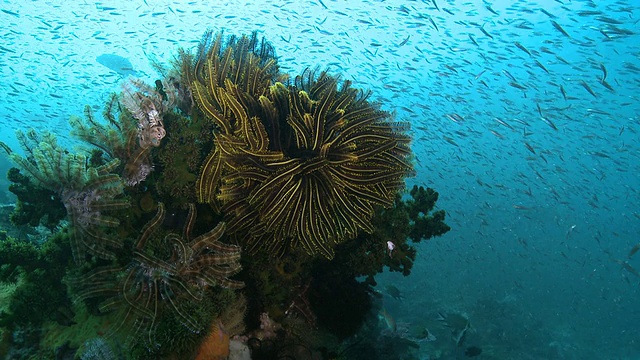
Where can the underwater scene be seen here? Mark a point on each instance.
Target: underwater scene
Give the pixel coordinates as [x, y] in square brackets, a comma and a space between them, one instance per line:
[322, 179]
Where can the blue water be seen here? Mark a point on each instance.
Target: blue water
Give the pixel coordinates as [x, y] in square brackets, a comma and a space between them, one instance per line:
[541, 217]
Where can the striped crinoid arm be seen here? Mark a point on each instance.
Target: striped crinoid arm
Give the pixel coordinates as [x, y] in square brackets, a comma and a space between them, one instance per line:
[127, 291]
[88, 193]
[192, 264]
[341, 157]
[109, 137]
[227, 78]
[244, 62]
[247, 61]
[48, 164]
[220, 276]
[209, 179]
[167, 276]
[205, 260]
[87, 209]
[99, 283]
[150, 289]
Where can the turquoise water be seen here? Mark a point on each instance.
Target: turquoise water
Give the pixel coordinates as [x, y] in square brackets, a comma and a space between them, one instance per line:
[524, 117]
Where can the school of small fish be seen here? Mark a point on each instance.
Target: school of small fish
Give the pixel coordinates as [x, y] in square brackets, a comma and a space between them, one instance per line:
[525, 114]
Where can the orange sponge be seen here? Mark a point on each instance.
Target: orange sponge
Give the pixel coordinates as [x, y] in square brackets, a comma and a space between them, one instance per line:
[216, 345]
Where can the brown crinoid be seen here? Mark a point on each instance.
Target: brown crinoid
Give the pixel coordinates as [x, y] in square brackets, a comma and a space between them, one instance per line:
[298, 165]
[166, 275]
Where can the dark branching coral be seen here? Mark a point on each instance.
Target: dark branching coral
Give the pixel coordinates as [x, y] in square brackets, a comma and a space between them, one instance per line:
[86, 192]
[425, 224]
[35, 205]
[341, 302]
[37, 269]
[166, 275]
[411, 219]
[302, 165]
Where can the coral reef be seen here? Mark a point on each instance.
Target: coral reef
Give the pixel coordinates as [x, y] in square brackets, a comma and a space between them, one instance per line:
[263, 208]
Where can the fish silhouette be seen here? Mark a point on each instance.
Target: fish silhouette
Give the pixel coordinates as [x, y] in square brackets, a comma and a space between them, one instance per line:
[117, 63]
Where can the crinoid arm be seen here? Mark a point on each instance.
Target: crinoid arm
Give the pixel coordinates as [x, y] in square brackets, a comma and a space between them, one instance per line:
[308, 168]
[168, 273]
[87, 192]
